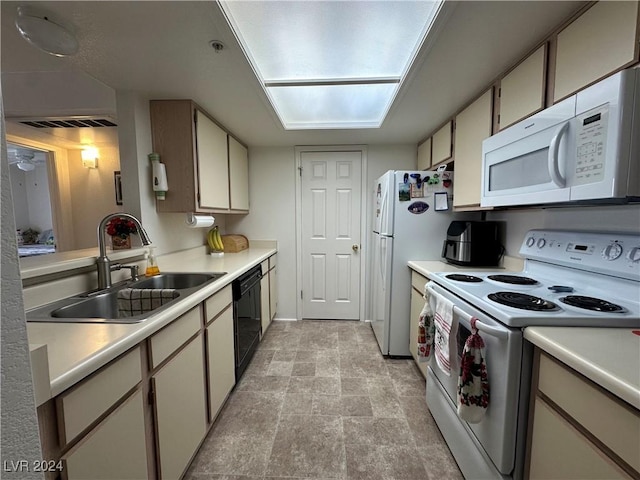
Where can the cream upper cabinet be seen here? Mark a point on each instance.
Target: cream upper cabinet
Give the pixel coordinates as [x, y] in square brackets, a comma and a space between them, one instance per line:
[213, 164]
[181, 412]
[424, 155]
[522, 90]
[599, 42]
[207, 169]
[238, 175]
[441, 145]
[473, 125]
[417, 302]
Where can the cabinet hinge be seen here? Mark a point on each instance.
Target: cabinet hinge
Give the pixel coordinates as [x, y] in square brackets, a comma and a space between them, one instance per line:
[498, 119]
[499, 92]
[300, 170]
[300, 294]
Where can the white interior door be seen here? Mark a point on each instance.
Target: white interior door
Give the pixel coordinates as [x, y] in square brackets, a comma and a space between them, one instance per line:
[330, 227]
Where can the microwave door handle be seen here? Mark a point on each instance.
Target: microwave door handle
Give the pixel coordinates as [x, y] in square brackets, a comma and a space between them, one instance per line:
[553, 163]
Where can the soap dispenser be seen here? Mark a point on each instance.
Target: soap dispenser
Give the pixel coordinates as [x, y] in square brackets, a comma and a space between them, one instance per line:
[152, 266]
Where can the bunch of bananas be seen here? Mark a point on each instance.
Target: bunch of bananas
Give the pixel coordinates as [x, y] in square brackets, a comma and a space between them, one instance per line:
[214, 240]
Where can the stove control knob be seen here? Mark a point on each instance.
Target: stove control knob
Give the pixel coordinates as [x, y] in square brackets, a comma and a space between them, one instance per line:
[634, 255]
[612, 251]
[541, 243]
[530, 241]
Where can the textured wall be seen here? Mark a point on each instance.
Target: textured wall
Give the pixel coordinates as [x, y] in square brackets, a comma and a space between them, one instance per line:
[20, 440]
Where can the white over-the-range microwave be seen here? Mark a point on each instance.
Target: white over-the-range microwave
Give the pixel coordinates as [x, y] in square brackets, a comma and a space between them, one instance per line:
[584, 149]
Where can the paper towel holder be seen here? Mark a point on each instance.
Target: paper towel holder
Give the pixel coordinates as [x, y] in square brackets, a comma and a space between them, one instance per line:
[195, 220]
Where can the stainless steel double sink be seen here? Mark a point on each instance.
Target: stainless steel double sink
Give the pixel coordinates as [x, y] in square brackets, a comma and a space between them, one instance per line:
[102, 306]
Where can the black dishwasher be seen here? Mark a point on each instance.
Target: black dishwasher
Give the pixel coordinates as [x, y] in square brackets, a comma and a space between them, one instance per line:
[247, 318]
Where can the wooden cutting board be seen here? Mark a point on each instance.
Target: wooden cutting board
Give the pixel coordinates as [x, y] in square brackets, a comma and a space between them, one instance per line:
[234, 243]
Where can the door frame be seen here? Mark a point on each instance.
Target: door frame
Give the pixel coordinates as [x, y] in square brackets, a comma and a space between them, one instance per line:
[299, 150]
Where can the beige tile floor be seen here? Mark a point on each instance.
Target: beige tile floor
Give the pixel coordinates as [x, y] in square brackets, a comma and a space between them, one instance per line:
[318, 401]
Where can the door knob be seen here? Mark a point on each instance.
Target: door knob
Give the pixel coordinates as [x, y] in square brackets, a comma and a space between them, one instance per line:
[355, 247]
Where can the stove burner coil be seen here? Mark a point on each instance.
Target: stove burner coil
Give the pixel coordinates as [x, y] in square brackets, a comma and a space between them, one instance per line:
[523, 301]
[513, 279]
[463, 278]
[591, 303]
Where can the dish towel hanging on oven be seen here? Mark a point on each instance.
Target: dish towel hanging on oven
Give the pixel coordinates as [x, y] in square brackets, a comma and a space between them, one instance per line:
[444, 334]
[473, 383]
[426, 330]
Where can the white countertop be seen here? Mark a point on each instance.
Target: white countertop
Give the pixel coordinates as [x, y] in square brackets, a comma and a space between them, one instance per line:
[433, 266]
[75, 350]
[609, 357]
[40, 265]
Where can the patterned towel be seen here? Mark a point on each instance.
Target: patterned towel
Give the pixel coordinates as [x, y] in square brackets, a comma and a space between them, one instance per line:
[473, 383]
[444, 333]
[134, 301]
[426, 330]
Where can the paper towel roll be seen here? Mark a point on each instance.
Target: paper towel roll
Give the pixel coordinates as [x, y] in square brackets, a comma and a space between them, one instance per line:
[199, 221]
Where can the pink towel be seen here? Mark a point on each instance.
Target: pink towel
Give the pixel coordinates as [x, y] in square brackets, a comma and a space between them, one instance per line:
[443, 321]
[473, 383]
[426, 331]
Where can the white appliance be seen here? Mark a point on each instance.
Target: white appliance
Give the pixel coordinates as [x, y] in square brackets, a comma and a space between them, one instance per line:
[408, 224]
[582, 149]
[569, 279]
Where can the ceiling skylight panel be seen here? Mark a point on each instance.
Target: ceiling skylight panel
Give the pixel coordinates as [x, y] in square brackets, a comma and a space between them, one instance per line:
[332, 106]
[297, 43]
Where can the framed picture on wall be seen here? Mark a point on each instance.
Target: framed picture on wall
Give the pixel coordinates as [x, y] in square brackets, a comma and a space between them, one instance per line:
[117, 180]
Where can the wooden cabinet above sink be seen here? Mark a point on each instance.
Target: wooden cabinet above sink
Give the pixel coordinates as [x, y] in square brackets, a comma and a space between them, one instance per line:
[206, 166]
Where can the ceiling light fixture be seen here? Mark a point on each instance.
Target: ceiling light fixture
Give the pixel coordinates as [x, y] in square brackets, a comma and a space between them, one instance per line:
[324, 64]
[45, 33]
[26, 166]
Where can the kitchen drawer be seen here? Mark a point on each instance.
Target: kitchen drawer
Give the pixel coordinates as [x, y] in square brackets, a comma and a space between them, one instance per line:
[80, 406]
[612, 422]
[265, 267]
[272, 262]
[171, 337]
[559, 451]
[217, 302]
[418, 281]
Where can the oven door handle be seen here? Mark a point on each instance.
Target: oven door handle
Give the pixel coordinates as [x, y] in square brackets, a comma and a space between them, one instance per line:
[483, 327]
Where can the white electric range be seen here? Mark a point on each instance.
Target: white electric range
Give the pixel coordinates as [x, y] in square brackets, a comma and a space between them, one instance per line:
[581, 279]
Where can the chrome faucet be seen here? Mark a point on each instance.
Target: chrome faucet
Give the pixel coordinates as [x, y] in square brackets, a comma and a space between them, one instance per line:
[103, 262]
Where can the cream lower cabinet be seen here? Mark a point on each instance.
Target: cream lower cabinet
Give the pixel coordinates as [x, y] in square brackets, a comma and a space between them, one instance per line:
[221, 360]
[265, 310]
[417, 302]
[579, 431]
[180, 409]
[273, 286]
[116, 448]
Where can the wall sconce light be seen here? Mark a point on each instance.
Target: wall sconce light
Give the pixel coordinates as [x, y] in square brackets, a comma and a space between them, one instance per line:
[90, 157]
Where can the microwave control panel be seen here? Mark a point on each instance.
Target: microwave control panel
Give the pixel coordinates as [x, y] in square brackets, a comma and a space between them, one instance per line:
[591, 139]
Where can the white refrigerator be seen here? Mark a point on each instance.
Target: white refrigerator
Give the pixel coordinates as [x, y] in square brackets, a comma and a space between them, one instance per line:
[411, 213]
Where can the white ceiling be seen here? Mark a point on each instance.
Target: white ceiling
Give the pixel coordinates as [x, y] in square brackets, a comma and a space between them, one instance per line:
[161, 49]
